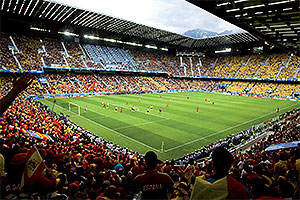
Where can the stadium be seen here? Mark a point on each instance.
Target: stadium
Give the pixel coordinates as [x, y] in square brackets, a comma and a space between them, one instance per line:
[99, 107]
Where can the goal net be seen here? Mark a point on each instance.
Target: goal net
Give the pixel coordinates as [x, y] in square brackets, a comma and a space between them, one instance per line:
[74, 108]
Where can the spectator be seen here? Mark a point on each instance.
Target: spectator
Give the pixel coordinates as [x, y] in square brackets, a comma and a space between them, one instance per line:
[220, 185]
[19, 85]
[153, 184]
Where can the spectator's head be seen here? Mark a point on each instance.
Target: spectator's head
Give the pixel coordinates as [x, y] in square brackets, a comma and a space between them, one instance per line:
[16, 166]
[285, 188]
[222, 160]
[151, 160]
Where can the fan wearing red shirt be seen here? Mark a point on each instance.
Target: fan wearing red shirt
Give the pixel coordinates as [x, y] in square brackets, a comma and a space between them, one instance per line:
[153, 184]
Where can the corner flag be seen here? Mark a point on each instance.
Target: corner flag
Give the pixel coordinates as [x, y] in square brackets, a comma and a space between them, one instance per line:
[162, 146]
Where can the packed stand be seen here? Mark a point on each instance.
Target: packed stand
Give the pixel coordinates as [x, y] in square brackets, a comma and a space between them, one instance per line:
[272, 66]
[7, 60]
[30, 52]
[249, 70]
[55, 52]
[232, 68]
[289, 70]
[206, 65]
[217, 65]
[75, 56]
[60, 84]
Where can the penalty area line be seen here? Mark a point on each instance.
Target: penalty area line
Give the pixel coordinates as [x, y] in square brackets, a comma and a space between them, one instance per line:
[118, 133]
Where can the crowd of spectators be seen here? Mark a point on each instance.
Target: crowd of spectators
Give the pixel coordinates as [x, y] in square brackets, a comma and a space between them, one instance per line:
[79, 83]
[31, 53]
[60, 84]
[217, 65]
[29, 57]
[55, 52]
[83, 166]
[7, 61]
[272, 66]
[249, 70]
[75, 56]
[289, 70]
[233, 67]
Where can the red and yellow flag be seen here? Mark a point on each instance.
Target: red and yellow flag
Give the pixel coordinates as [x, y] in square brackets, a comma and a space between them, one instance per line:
[33, 168]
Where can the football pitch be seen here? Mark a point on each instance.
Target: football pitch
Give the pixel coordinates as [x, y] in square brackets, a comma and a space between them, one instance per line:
[179, 126]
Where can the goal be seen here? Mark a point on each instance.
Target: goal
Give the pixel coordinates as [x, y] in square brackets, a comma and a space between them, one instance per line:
[74, 108]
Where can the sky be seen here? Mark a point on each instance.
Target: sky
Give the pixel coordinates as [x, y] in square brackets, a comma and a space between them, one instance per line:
[177, 16]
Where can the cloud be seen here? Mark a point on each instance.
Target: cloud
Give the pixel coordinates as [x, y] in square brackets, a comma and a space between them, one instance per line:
[172, 15]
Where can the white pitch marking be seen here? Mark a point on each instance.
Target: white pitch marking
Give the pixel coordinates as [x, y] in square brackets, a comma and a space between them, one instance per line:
[114, 131]
[171, 149]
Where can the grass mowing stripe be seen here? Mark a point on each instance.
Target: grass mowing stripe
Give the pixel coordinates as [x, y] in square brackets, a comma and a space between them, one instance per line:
[113, 131]
[223, 130]
[184, 124]
[135, 125]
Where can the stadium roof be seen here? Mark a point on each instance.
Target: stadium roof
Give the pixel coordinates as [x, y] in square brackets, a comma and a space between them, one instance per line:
[44, 13]
[276, 21]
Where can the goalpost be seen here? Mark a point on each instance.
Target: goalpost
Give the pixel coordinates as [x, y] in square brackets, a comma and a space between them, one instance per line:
[74, 105]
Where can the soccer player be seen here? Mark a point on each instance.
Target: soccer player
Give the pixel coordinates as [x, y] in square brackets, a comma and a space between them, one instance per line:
[160, 96]
[197, 109]
[167, 104]
[132, 108]
[139, 100]
[147, 111]
[85, 109]
[121, 109]
[205, 99]
[159, 110]
[127, 102]
[116, 109]
[151, 107]
[213, 102]
[107, 105]
[103, 104]
[277, 109]
[188, 97]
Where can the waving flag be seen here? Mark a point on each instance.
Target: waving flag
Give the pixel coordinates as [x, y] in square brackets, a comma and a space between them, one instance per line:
[37, 135]
[283, 146]
[224, 188]
[33, 168]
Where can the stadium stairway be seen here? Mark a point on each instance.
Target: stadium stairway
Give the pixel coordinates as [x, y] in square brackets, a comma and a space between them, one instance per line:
[283, 65]
[93, 53]
[160, 86]
[76, 83]
[297, 70]
[242, 65]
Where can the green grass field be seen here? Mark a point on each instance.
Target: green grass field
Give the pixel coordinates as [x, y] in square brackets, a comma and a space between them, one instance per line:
[179, 126]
